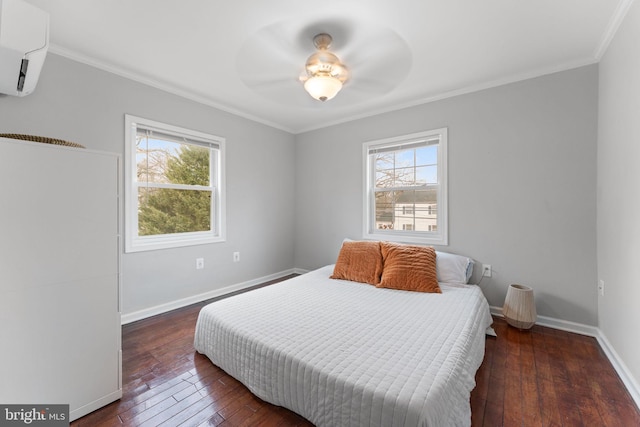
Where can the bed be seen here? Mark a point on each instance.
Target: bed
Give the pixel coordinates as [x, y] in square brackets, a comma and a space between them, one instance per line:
[345, 353]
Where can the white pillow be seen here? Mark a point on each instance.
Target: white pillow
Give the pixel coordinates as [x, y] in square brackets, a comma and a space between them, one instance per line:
[453, 268]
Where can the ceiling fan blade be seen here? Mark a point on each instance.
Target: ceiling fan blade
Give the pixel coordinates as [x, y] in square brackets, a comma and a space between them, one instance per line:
[377, 86]
[272, 83]
[385, 51]
[272, 61]
[273, 54]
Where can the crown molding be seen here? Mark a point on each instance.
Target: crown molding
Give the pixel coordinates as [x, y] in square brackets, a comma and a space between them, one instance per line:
[612, 28]
[462, 91]
[166, 87]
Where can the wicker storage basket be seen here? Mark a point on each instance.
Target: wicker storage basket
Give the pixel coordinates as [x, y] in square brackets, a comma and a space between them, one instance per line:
[43, 139]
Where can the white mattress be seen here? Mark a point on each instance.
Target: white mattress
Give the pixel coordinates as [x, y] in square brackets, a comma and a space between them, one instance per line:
[342, 353]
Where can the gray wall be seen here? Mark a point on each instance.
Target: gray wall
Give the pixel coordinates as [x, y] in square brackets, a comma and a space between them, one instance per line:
[618, 190]
[80, 103]
[522, 176]
[522, 180]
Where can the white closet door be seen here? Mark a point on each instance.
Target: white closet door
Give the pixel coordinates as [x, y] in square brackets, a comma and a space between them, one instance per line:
[59, 276]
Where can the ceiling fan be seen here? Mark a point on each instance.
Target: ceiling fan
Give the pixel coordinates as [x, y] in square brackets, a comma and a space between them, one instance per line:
[325, 74]
[360, 60]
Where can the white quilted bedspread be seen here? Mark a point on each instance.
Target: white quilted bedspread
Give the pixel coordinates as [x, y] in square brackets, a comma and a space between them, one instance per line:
[343, 353]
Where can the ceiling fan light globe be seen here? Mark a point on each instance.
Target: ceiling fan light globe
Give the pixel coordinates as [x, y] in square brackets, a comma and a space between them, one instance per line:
[323, 88]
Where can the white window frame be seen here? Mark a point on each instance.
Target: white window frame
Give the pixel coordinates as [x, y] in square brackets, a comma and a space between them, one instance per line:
[439, 237]
[137, 243]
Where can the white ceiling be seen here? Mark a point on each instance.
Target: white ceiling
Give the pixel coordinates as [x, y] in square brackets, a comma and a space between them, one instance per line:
[245, 56]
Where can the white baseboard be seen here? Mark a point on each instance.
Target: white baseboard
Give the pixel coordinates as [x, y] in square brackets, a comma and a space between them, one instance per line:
[96, 404]
[625, 375]
[563, 325]
[621, 368]
[163, 308]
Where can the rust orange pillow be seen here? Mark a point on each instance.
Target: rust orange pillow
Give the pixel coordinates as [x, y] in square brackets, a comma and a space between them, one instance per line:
[359, 261]
[409, 268]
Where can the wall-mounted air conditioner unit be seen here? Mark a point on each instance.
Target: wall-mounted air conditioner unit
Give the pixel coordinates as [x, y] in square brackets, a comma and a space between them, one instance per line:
[24, 40]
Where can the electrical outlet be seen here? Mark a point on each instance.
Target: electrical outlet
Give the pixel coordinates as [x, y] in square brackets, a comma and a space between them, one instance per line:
[486, 270]
[199, 263]
[601, 287]
[236, 256]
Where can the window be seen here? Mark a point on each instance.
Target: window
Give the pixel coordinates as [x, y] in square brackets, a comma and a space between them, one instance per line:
[405, 194]
[174, 186]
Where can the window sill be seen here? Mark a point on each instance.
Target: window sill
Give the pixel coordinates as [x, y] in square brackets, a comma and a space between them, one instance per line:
[155, 243]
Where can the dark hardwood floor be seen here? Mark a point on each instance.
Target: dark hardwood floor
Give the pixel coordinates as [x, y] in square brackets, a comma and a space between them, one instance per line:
[541, 377]
[547, 377]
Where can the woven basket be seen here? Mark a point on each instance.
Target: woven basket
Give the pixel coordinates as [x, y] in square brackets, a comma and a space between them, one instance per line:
[519, 308]
[43, 139]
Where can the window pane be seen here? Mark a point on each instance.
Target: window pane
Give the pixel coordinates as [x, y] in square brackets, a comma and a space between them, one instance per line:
[426, 210]
[405, 177]
[407, 168]
[384, 179]
[384, 161]
[427, 155]
[384, 170]
[415, 210]
[170, 162]
[384, 210]
[165, 211]
[426, 175]
[405, 158]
